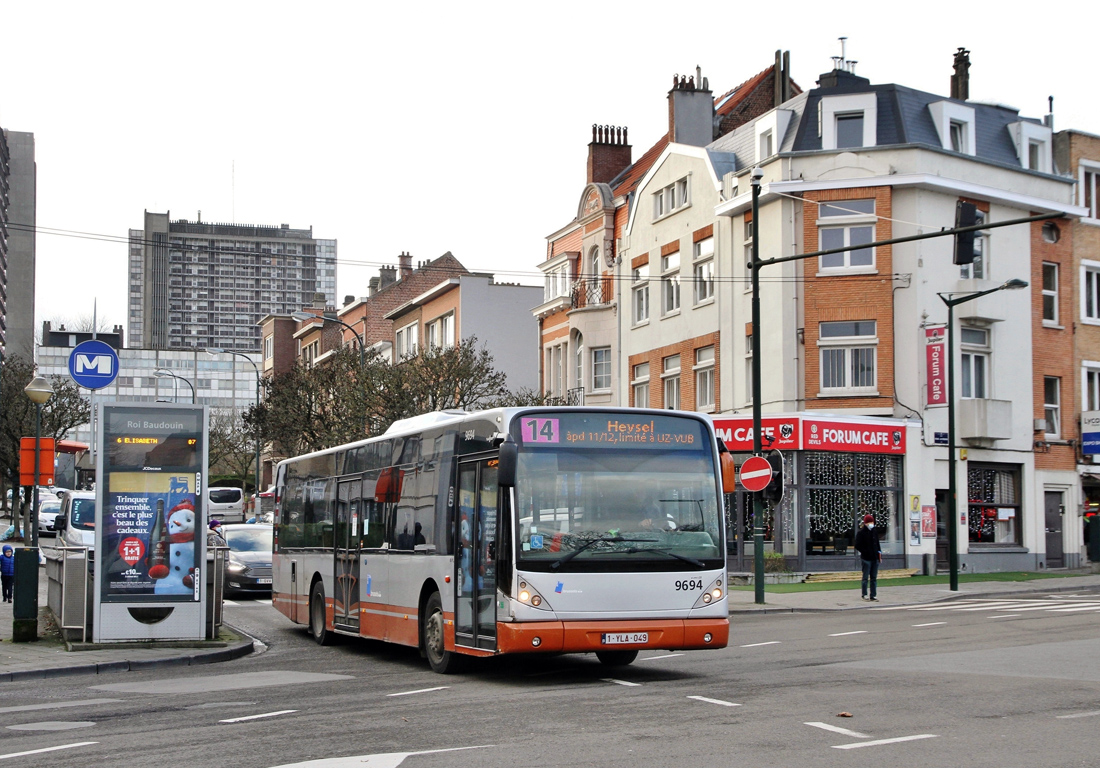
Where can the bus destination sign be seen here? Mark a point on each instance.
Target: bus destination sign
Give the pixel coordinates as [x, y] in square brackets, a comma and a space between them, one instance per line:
[610, 430]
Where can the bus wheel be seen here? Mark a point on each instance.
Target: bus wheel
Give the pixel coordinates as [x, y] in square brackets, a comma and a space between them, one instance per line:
[317, 627]
[443, 661]
[616, 658]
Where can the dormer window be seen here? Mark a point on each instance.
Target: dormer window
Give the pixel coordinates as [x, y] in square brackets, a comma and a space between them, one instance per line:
[849, 121]
[955, 125]
[1033, 144]
[766, 141]
[670, 199]
[849, 130]
[958, 136]
[1034, 155]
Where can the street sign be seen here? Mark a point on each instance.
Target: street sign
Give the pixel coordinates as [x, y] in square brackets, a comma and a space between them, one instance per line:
[755, 474]
[93, 364]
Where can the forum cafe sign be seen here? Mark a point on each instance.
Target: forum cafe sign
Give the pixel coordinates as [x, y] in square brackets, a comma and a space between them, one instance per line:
[799, 432]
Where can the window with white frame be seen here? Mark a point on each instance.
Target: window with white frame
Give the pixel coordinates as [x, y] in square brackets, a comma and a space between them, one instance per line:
[269, 347]
[747, 249]
[1052, 405]
[1090, 398]
[555, 370]
[639, 280]
[974, 374]
[954, 123]
[557, 282]
[767, 144]
[405, 341]
[848, 355]
[849, 130]
[1035, 155]
[670, 283]
[703, 271]
[578, 361]
[1088, 173]
[671, 199]
[671, 381]
[847, 224]
[1090, 291]
[593, 269]
[979, 268]
[601, 368]
[957, 132]
[1050, 293]
[441, 332]
[639, 385]
[704, 379]
[848, 121]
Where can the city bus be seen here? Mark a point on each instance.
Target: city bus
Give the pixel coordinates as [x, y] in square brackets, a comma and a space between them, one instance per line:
[515, 530]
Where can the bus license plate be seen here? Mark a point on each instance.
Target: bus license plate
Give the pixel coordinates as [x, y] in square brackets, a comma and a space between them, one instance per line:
[624, 638]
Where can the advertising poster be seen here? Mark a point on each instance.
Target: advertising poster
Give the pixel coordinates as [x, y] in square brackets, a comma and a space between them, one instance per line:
[928, 521]
[149, 530]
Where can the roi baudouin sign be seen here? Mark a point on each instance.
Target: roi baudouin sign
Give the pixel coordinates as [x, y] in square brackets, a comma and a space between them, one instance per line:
[150, 522]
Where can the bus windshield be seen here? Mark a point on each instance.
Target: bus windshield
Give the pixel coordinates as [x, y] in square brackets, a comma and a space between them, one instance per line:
[590, 502]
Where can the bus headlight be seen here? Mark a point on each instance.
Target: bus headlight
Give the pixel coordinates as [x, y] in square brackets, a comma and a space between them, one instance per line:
[528, 595]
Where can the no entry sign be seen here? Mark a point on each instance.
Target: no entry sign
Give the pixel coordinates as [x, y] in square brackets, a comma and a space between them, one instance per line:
[755, 474]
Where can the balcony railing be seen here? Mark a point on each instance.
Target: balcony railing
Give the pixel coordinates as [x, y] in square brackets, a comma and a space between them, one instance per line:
[574, 396]
[592, 292]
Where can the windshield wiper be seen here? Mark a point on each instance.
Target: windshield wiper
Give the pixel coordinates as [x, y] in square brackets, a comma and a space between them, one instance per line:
[570, 555]
[664, 551]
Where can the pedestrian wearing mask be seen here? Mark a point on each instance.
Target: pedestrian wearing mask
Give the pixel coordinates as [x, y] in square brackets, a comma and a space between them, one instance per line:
[870, 555]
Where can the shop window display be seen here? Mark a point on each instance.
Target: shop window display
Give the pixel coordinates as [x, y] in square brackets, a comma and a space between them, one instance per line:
[843, 487]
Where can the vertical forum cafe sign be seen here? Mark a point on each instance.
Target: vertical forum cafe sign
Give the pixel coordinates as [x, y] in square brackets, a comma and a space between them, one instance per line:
[935, 351]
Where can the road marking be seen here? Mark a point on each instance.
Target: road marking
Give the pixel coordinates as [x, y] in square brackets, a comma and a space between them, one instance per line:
[931, 624]
[898, 740]
[719, 702]
[229, 602]
[58, 705]
[757, 645]
[217, 683]
[1075, 608]
[1005, 616]
[838, 729]
[619, 682]
[421, 690]
[48, 749]
[257, 717]
[388, 760]
[842, 634]
[666, 656]
[1079, 714]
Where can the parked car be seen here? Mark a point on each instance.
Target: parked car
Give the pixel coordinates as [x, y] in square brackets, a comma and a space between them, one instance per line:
[48, 510]
[225, 504]
[76, 523]
[248, 568]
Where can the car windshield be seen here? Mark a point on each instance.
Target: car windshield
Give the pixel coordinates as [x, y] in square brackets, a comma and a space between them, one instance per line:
[49, 507]
[607, 508]
[250, 539]
[225, 495]
[82, 514]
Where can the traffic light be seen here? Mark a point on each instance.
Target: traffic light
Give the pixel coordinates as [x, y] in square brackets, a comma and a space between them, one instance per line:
[966, 215]
[774, 491]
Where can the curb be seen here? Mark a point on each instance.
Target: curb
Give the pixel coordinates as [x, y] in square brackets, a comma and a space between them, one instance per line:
[236, 651]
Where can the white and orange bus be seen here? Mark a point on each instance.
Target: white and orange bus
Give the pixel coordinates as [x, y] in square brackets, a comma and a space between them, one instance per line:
[536, 530]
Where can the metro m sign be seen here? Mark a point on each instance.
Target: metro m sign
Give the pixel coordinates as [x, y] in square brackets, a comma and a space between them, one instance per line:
[93, 364]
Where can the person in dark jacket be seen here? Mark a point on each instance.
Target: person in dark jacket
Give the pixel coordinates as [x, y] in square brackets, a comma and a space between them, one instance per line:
[870, 555]
[7, 571]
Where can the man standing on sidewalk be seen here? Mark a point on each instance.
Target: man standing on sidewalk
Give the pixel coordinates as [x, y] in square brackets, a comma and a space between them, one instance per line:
[870, 555]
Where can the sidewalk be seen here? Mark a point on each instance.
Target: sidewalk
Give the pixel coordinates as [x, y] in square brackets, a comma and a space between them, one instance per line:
[744, 601]
[51, 657]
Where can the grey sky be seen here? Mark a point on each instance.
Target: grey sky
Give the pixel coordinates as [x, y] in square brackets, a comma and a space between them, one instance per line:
[427, 127]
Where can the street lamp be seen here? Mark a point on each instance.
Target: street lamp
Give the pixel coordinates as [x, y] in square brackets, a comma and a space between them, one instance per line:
[952, 490]
[25, 608]
[220, 351]
[162, 374]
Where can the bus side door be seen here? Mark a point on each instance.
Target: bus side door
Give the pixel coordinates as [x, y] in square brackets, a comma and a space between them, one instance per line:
[475, 549]
[346, 604]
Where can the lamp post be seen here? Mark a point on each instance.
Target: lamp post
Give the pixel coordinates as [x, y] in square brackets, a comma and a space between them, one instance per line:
[25, 608]
[757, 401]
[256, 368]
[952, 485]
[162, 374]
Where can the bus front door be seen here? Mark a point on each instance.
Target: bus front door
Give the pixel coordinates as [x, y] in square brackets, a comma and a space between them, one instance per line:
[346, 570]
[476, 531]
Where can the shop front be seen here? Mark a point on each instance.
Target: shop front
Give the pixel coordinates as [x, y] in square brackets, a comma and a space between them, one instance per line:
[836, 470]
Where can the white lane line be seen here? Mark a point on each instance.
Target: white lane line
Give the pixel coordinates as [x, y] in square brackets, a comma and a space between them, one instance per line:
[48, 749]
[898, 740]
[1004, 616]
[257, 717]
[838, 729]
[619, 682]
[842, 634]
[57, 705]
[1077, 608]
[422, 690]
[666, 656]
[931, 624]
[719, 702]
[757, 645]
[1079, 714]
[229, 602]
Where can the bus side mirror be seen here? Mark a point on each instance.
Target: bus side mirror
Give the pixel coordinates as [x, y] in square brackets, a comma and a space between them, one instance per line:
[729, 472]
[506, 469]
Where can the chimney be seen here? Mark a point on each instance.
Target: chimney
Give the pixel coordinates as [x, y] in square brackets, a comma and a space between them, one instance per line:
[608, 154]
[386, 276]
[691, 110]
[405, 261]
[782, 77]
[319, 301]
[373, 286]
[348, 299]
[960, 81]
